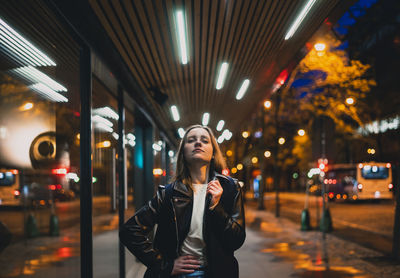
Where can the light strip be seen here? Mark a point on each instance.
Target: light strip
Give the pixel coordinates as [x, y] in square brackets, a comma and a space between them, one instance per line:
[100, 119]
[243, 89]
[23, 48]
[227, 134]
[206, 118]
[106, 112]
[175, 113]
[221, 76]
[156, 147]
[220, 125]
[102, 126]
[182, 36]
[130, 136]
[299, 19]
[48, 93]
[37, 76]
[181, 132]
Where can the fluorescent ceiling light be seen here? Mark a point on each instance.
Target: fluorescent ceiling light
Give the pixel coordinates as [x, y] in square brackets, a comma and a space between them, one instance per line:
[181, 132]
[106, 112]
[227, 134]
[115, 135]
[100, 119]
[102, 126]
[36, 76]
[221, 75]
[130, 136]
[220, 139]
[22, 49]
[220, 125]
[206, 118]
[48, 93]
[175, 113]
[180, 20]
[156, 147]
[299, 19]
[243, 89]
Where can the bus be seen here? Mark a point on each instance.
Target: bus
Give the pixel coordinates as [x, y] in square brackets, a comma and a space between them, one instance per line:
[9, 187]
[34, 187]
[363, 181]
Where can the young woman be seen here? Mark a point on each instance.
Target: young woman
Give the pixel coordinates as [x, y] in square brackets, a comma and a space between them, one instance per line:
[200, 216]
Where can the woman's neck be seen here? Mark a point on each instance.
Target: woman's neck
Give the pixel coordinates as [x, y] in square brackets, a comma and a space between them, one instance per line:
[199, 175]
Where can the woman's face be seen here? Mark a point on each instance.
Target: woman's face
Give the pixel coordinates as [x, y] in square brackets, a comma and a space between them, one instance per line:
[198, 147]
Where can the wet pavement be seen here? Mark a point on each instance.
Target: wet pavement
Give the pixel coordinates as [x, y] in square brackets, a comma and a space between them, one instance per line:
[274, 247]
[306, 254]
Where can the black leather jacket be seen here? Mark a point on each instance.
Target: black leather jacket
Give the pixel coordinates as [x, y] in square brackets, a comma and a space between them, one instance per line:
[171, 208]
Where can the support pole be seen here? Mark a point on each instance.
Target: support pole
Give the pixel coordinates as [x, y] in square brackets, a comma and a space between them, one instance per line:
[86, 201]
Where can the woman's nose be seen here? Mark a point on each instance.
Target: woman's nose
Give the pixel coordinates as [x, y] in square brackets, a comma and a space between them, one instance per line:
[197, 143]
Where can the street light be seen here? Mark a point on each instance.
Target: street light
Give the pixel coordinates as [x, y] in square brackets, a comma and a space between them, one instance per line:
[301, 132]
[320, 46]
[254, 159]
[267, 104]
[281, 141]
[245, 134]
[350, 100]
[267, 154]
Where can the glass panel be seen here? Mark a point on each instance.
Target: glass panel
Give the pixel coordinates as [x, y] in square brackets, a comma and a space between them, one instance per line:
[105, 205]
[39, 144]
[130, 149]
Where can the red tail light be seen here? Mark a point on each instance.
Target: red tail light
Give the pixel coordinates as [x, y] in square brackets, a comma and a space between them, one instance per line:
[52, 187]
[390, 186]
[16, 193]
[60, 171]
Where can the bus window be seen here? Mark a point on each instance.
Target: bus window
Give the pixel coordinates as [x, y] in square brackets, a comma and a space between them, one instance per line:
[374, 172]
[7, 178]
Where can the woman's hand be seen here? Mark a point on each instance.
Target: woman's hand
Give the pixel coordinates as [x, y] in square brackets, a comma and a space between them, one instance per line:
[185, 264]
[215, 189]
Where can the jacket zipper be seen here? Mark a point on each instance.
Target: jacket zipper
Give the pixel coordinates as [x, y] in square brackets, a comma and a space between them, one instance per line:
[176, 228]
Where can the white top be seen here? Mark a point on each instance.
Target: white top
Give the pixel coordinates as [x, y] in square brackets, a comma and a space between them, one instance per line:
[194, 243]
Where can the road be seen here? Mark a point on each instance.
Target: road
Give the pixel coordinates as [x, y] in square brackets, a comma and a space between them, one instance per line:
[367, 223]
[68, 214]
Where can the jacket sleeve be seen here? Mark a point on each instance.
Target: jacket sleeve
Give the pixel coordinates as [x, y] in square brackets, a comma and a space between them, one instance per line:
[230, 227]
[134, 234]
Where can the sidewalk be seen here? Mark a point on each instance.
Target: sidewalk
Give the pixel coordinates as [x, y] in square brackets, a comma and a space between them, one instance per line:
[273, 248]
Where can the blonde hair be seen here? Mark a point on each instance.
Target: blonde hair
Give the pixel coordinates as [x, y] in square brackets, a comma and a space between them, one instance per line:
[182, 172]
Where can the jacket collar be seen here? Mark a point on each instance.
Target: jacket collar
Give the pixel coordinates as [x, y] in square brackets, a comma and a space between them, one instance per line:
[183, 188]
[187, 190]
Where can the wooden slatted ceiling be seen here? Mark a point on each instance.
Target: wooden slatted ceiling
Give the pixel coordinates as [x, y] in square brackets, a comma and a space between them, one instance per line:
[249, 35]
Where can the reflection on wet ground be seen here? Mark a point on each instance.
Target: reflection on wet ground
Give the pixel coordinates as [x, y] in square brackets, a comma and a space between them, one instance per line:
[30, 257]
[310, 258]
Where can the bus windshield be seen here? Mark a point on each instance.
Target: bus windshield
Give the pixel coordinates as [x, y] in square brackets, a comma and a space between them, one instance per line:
[6, 178]
[374, 172]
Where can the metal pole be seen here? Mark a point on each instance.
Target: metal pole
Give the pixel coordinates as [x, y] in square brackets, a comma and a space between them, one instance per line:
[86, 201]
[121, 175]
[396, 228]
[277, 166]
